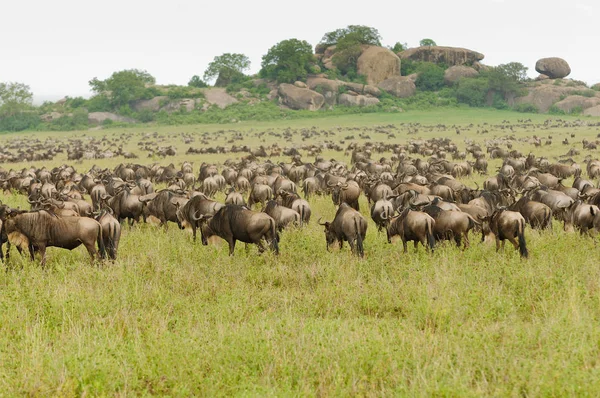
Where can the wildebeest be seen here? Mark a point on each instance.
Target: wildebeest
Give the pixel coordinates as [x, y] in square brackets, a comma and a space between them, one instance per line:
[111, 233]
[581, 216]
[536, 214]
[451, 224]
[233, 223]
[194, 208]
[38, 230]
[282, 215]
[348, 225]
[506, 224]
[413, 226]
[348, 193]
[163, 205]
[381, 213]
[260, 193]
[295, 202]
[125, 206]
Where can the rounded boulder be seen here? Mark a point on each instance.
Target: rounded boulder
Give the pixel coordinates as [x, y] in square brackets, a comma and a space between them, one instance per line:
[554, 67]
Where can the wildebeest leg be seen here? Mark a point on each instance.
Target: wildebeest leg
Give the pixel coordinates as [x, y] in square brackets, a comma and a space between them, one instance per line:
[466, 241]
[514, 242]
[194, 231]
[404, 245]
[497, 243]
[417, 243]
[42, 250]
[351, 243]
[231, 246]
[32, 252]
[91, 248]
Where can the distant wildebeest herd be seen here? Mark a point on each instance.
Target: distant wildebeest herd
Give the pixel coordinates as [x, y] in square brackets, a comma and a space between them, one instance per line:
[415, 193]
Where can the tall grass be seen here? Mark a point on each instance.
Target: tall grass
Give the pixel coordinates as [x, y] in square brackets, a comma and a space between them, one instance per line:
[173, 317]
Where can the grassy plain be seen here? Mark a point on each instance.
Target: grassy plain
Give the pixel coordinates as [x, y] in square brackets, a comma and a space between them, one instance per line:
[175, 318]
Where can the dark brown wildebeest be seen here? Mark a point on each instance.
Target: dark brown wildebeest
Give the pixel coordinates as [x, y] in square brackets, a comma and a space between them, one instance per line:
[125, 205]
[282, 215]
[163, 205]
[195, 208]
[536, 214]
[413, 226]
[111, 233]
[347, 192]
[233, 223]
[348, 225]
[381, 213]
[38, 230]
[451, 224]
[506, 224]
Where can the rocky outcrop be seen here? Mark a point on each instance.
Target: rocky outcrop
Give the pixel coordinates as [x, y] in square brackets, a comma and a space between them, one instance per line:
[543, 94]
[153, 104]
[577, 101]
[457, 72]
[596, 87]
[357, 100]
[48, 117]
[449, 55]
[554, 68]
[300, 98]
[300, 84]
[377, 64]
[399, 86]
[100, 117]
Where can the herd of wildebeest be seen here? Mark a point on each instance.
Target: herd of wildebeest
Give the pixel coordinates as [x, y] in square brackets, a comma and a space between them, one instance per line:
[415, 193]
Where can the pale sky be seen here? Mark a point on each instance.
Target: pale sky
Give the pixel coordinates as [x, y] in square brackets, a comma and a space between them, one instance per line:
[57, 46]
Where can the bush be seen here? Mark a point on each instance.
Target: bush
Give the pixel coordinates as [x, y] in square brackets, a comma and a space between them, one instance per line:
[526, 108]
[554, 110]
[195, 81]
[576, 110]
[20, 122]
[408, 67]
[145, 116]
[178, 92]
[472, 92]
[99, 103]
[78, 121]
[431, 77]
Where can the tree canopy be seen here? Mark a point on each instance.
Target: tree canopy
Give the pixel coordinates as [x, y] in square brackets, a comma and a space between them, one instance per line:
[360, 33]
[14, 98]
[226, 68]
[427, 43]
[288, 61]
[195, 81]
[124, 86]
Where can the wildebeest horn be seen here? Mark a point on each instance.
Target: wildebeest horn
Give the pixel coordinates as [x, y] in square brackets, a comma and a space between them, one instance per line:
[196, 218]
[103, 197]
[320, 223]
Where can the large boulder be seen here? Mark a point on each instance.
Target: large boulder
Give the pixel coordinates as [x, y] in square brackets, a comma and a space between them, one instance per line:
[437, 54]
[153, 104]
[362, 88]
[48, 117]
[457, 72]
[100, 117]
[357, 100]
[577, 101]
[300, 98]
[218, 96]
[377, 64]
[593, 111]
[554, 68]
[399, 86]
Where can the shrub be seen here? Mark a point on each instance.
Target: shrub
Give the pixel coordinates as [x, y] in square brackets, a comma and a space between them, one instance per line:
[576, 110]
[361, 34]
[431, 77]
[20, 122]
[145, 116]
[472, 91]
[526, 108]
[99, 103]
[195, 81]
[554, 110]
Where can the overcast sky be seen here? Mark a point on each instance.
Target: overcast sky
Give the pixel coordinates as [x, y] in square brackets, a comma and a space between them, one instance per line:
[57, 46]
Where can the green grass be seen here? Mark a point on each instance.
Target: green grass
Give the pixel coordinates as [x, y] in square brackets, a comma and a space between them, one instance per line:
[175, 318]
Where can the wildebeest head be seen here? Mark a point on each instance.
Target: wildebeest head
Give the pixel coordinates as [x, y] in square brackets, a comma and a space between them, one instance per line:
[205, 229]
[329, 235]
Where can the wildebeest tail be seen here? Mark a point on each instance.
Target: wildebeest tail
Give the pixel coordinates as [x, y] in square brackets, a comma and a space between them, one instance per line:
[547, 219]
[301, 215]
[359, 240]
[522, 245]
[274, 237]
[430, 237]
[101, 247]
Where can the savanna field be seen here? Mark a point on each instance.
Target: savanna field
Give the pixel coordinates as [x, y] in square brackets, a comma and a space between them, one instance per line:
[171, 317]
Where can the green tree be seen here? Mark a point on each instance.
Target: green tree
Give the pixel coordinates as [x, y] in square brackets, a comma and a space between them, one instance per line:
[226, 68]
[398, 47]
[506, 78]
[347, 51]
[363, 34]
[427, 43]
[124, 86]
[195, 81]
[288, 61]
[14, 98]
[472, 92]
